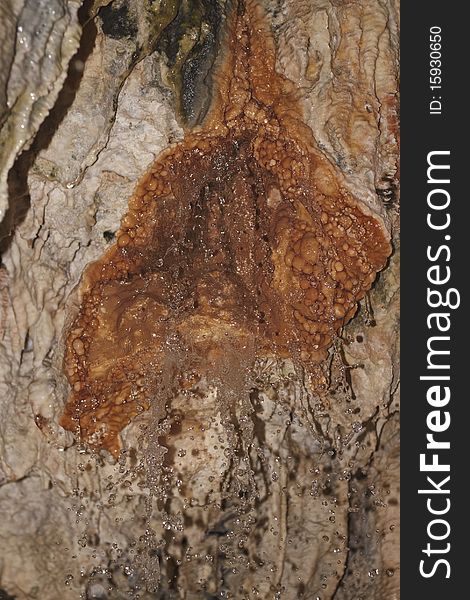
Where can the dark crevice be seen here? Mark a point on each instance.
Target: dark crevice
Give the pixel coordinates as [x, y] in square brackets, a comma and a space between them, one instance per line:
[18, 190]
[116, 21]
[190, 69]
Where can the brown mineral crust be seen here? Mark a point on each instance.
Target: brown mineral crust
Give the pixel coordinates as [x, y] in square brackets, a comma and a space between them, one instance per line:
[241, 232]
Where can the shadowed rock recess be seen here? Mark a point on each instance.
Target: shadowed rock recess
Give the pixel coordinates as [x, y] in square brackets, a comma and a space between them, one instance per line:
[199, 302]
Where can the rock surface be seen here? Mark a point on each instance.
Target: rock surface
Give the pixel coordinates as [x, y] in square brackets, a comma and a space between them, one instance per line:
[290, 495]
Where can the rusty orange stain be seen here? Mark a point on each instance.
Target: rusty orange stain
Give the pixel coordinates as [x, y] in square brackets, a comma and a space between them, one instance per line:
[241, 235]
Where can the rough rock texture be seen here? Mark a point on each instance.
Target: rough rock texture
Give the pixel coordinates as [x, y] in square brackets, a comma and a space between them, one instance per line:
[38, 40]
[253, 486]
[241, 238]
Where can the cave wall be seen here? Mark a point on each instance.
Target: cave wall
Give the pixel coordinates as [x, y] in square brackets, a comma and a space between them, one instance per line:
[177, 516]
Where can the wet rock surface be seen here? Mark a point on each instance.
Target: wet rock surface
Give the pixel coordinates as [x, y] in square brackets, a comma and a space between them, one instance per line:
[247, 484]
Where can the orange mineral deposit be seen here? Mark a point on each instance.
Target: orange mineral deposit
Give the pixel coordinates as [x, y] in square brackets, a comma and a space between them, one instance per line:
[242, 234]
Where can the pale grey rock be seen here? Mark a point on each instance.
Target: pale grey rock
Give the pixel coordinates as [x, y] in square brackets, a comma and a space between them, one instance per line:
[39, 37]
[311, 462]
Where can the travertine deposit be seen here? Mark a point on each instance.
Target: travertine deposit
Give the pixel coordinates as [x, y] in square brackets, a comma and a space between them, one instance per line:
[241, 232]
[266, 466]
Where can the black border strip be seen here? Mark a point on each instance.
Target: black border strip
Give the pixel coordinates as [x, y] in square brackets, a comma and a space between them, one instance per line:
[422, 133]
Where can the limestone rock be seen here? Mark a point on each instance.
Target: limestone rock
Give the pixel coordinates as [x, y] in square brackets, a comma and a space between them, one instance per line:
[289, 496]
